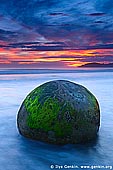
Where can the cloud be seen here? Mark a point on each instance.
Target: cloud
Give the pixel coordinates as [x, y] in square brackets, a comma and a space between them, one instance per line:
[30, 64]
[70, 18]
[99, 22]
[58, 13]
[104, 5]
[97, 14]
[6, 35]
[98, 59]
[54, 46]
[50, 26]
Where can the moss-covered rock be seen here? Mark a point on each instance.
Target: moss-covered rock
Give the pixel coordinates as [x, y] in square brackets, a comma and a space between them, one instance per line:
[59, 112]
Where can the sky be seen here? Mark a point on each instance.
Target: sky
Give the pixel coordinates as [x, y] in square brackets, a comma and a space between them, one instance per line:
[55, 33]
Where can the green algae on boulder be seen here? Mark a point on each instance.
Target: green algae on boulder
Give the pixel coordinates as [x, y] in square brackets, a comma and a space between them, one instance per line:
[59, 112]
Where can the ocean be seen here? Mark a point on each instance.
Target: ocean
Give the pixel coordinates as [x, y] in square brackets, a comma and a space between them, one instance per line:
[19, 153]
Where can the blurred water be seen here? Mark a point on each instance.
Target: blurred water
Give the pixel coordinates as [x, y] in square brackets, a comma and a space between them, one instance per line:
[18, 153]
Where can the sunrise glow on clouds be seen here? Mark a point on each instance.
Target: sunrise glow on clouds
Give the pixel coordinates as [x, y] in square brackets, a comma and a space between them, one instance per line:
[55, 34]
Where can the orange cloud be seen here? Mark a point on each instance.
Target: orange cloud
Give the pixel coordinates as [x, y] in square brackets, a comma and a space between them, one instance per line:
[71, 58]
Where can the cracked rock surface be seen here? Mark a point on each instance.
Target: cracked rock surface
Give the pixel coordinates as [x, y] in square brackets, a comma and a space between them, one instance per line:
[59, 112]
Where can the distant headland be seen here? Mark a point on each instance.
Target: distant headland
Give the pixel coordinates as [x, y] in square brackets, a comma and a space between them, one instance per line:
[97, 65]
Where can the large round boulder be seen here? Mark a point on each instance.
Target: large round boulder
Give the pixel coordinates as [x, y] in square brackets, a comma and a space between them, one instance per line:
[59, 112]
